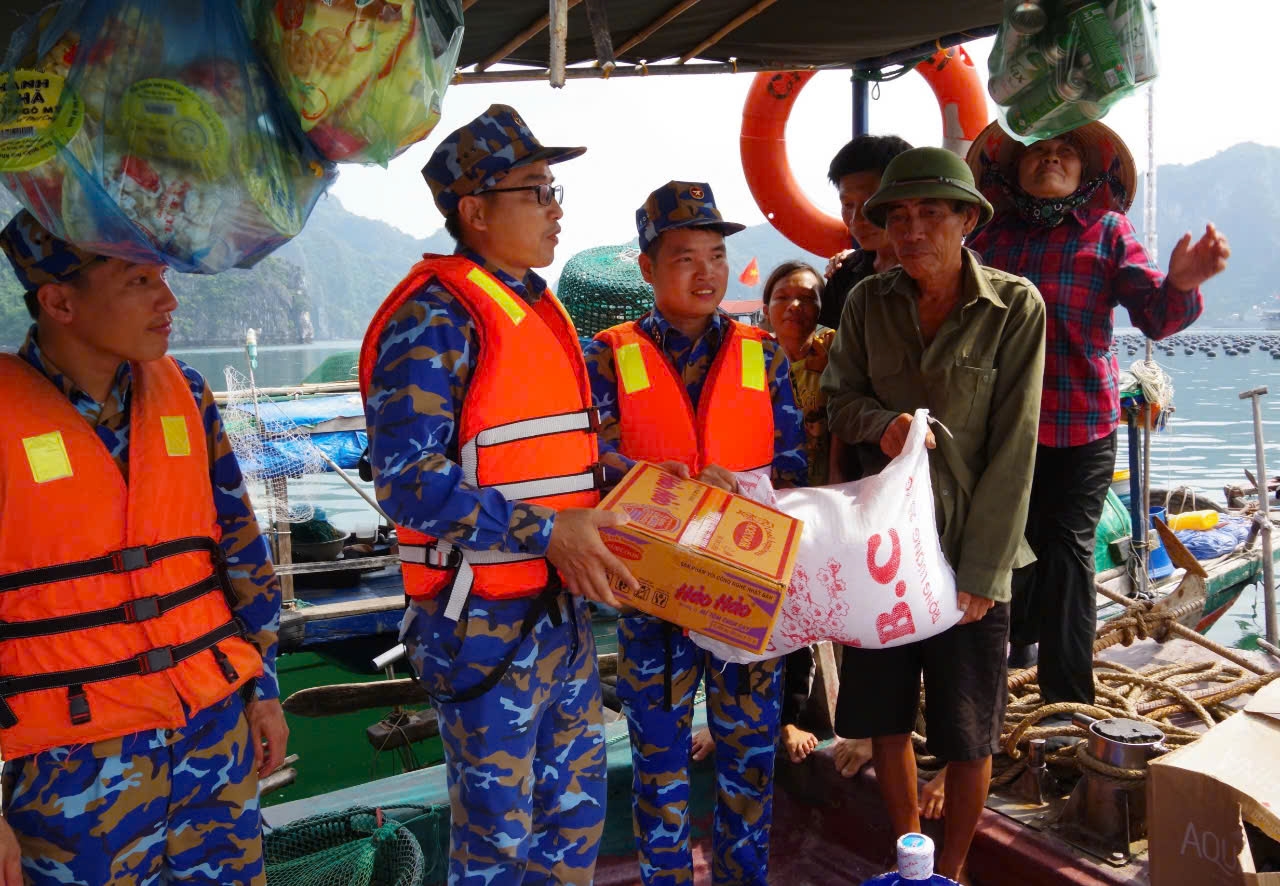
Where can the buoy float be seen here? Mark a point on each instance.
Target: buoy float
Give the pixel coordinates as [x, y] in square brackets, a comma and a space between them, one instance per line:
[962, 99]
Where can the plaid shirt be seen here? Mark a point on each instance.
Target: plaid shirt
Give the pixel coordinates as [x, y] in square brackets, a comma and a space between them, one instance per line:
[1084, 268]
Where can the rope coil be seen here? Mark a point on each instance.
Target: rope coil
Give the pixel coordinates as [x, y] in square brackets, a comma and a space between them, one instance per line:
[1154, 694]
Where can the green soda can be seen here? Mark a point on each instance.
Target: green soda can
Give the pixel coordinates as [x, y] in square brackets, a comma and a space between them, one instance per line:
[1028, 17]
[1108, 70]
[1132, 21]
[1050, 97]
[1030, 65]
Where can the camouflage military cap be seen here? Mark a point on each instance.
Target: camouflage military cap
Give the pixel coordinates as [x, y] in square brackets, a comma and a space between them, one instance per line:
[680, 205]
[39, 257]
[474, 157]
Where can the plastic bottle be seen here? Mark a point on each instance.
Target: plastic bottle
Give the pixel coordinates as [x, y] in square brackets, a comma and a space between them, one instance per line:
[1206, 519]
[915, 865]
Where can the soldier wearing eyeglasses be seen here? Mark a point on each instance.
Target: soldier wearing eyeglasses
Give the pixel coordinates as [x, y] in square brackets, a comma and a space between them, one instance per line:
[482, 441]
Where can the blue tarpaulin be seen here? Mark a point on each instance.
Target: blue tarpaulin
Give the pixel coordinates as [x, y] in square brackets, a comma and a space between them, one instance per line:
[1206, 544]
[333, 423]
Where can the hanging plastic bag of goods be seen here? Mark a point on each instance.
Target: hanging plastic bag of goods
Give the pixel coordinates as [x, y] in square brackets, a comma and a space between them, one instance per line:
[1059, 64]
[150, 130]
[870, 571]
[366, 77]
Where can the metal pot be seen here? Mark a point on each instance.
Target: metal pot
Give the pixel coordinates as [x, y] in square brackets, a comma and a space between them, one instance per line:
[1121, 742]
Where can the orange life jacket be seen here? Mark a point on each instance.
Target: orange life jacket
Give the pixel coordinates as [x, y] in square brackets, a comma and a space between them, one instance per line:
[113, 604]
[733, 423]
[527, 427]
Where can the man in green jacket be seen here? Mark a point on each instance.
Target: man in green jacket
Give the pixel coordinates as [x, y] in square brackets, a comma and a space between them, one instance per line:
[966, 342]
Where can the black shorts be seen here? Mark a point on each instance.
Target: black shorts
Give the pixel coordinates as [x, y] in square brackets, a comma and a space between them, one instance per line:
[966, 687]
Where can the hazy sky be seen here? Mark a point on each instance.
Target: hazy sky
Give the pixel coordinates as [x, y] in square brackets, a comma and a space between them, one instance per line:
[1215, 89]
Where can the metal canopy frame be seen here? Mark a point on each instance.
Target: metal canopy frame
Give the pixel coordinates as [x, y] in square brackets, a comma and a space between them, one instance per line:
[706, 36]
[559, 40]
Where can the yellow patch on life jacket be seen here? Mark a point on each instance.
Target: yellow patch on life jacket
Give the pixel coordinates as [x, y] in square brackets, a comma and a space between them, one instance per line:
[752, 364]
[47, 457]
[176, 441]
[498, 293]
[631, 368]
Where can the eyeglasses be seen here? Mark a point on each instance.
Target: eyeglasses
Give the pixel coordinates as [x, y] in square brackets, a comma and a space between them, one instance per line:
[546, 193]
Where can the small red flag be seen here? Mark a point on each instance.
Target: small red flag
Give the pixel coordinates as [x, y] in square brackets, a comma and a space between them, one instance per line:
[750, 275]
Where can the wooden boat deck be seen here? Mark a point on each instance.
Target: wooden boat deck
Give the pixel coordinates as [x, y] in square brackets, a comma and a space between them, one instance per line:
[827, 829]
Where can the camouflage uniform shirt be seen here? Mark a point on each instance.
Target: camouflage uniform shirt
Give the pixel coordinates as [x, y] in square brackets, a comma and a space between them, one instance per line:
[256, 588]
[426, 356]
[692, 360]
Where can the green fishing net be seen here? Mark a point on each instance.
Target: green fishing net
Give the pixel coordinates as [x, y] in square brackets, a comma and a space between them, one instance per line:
[602, 286]
[360, 846]
[344, 366]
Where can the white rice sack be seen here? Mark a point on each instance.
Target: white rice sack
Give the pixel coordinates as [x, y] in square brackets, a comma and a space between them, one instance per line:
[870, 570]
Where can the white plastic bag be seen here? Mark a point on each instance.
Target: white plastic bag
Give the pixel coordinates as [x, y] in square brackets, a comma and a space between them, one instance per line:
[870, 571]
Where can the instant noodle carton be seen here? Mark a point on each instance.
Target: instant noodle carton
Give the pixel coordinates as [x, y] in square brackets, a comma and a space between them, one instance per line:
[709, 561]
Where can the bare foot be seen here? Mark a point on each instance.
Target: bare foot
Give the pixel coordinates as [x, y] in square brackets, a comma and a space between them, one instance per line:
[852, 754]
[933, 796]
[702, 745]
[799, 744]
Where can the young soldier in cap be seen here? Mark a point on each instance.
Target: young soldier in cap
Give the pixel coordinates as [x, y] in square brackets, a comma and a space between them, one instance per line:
[688, 387]
[483, 446]
[137, 599]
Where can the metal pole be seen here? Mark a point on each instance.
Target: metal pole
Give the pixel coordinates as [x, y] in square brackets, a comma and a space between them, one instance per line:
[861, 107]
[1136, 506]
[1268, 569]
[1146, 470]
[1149, 217]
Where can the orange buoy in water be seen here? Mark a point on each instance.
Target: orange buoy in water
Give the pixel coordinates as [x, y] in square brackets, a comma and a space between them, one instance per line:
[951, 75]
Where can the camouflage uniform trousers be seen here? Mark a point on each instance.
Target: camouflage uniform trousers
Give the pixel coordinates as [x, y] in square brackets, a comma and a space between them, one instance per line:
[744, 724]
[162, 806]
[526, 760]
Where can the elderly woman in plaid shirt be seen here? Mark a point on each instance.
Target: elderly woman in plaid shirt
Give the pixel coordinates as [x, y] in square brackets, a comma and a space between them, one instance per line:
[1060, 222]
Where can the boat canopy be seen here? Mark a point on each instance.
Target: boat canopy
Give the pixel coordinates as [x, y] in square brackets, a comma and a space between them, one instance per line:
[777, 34]
[666, 35]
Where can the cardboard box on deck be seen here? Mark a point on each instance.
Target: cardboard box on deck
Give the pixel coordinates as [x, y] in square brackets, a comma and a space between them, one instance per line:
[709, 561]
[1200, 796]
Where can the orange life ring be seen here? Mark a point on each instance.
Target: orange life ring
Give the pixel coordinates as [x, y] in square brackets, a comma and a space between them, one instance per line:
[963, 101]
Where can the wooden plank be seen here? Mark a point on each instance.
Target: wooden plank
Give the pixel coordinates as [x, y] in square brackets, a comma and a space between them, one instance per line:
[521, 39]
[344, 698]
[654, 26]
[826, 688]
[326, 611]
[556, 46]
[594, 73]
[278, 489]
[406, 728]
[379, 562]
[598, 21]
[719, 35]
[328, 387]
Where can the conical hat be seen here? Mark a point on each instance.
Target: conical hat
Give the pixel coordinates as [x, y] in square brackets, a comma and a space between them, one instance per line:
[1099, 145]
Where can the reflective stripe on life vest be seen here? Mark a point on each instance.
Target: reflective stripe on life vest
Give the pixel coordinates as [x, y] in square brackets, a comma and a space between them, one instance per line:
[526, 430]
[733, 423]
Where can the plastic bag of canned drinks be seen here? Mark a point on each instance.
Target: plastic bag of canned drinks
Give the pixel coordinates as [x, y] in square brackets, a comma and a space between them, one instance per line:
[870, 571]
[1059, 64]
[150, 130]
[366, 77]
